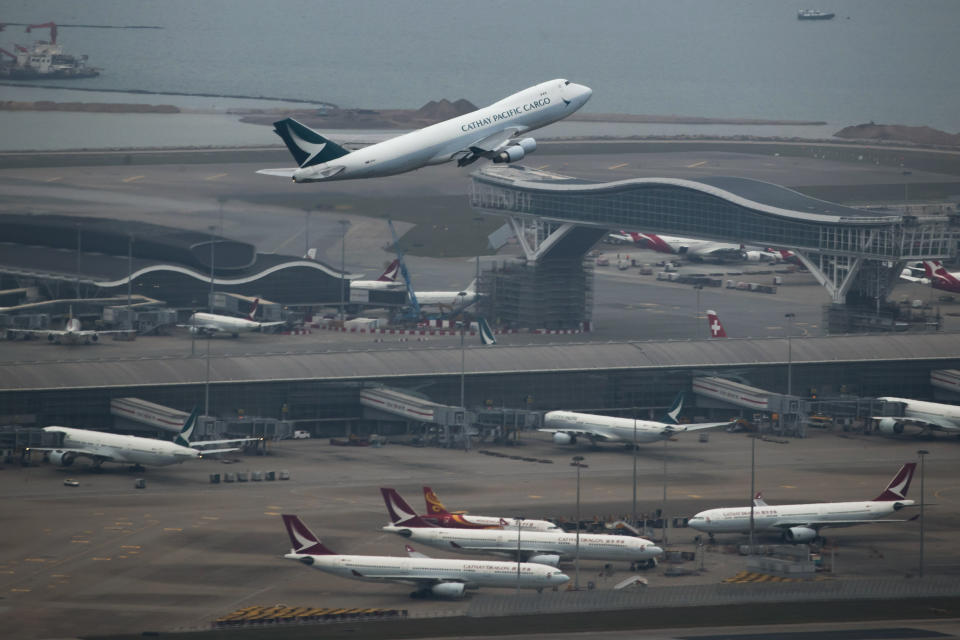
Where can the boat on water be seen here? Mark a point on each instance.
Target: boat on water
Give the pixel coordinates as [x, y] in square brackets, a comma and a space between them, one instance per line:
[814, 14]
[45, 60]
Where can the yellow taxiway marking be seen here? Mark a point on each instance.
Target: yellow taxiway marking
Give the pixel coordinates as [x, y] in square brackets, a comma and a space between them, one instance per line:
[272, 513]
[173, 528]
[59, 575]
[133, 178]
[20, 590]
[274, 506]
[618, 166]
[694, 495]
[541, 167]
[99, 558]
[54, 179]
[216, 177]
[343, 207]
[213, 517]
[787, 486]
[534, 497]
[129, 546]
[34, 559]
[9, 572]
[696, 164]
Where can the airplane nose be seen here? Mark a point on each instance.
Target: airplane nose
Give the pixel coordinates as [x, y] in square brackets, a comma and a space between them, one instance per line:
[584, 92]
[654, 551]
[559, 578]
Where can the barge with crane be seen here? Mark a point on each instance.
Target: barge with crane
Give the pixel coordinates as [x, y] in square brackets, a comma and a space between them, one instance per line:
[44, 60]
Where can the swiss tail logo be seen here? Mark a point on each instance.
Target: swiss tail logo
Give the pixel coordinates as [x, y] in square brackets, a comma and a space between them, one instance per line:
[486, 334]
[897, 489]
[306, 145]
[673, 413]
[716, 328]
[302, 540]
[183, 438]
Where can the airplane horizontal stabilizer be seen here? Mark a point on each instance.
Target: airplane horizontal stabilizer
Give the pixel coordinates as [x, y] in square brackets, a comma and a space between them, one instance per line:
[282, 173]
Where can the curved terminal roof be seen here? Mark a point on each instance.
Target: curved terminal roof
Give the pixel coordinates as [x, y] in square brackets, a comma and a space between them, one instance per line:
[396, 363]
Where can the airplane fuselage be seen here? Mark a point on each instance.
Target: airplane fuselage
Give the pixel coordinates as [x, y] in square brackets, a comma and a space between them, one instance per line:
[505, 542]
[524, 111]
[124, 448]
[228, 324]
[465, 521]
[611, 429]
[473, 573]
[946, 415]
[776, 518]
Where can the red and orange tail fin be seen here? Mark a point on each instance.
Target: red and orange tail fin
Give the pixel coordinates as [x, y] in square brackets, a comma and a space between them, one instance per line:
[434, 506]
[399, 511]
[302, 540]
[716, 328]
[897, 489]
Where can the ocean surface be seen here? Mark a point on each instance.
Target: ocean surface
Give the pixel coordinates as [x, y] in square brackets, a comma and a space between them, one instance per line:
[887, 61]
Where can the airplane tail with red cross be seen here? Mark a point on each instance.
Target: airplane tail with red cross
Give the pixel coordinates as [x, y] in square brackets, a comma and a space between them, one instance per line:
[716, 328]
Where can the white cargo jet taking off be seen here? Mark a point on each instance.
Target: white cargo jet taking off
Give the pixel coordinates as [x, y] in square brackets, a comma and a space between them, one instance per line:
[103, 447]
[927, 416]
[438, 577]
[202, 323]
[802, 522]
[567, 426]
[492, 132]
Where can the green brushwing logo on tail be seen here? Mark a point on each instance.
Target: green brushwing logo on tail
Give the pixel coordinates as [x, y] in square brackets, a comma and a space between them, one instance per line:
[183, 438]
[486, 333]
[306, 145]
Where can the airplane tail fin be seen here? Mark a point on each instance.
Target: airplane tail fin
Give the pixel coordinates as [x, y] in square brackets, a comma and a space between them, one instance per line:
[758, 500]
[302, 540]
[186, 432]
[897, 488]
[716, 328]
[673, 413]
[930, 267]
[399, 511]
[253, 309]
[390, 273]
[434, 506]
[306, 145]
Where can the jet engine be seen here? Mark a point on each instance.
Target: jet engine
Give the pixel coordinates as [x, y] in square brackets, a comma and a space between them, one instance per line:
[564, 438]
[62, 458]
[450, 590]
[550, 559]
[510, 154]
[406, 533]
[94, 337]
[51, 337]
[889, 426]
[800, 534]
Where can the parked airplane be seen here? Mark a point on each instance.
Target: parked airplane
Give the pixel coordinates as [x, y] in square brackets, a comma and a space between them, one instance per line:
[928, 416]
[431, 576]
[438, 516]
[713, 322]
[541, 547]
[492, 132]
[802, 522]
[103, 447]
[567, 426]
[697, 249]
[386, 282]
[940, 278]
[205, 324]
[72, 333]
[449, 299]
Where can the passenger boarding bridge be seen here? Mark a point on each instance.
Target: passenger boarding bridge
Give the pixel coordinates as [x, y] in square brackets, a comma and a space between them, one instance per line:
[849, 251]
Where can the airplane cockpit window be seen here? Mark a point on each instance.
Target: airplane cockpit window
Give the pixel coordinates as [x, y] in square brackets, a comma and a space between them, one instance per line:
[566, 82]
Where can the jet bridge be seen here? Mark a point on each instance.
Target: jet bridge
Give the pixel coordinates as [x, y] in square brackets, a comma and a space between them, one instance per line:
[791, 411]
[853, 253]
[444, 425]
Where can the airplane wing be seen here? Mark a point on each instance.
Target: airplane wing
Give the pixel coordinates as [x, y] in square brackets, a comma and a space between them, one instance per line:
[207, 451]
[208, 443]
[283, 173]
[414, 579]
[413, 553]
[494, 142]
[837, 523]
[200, 327]
[593, 435]
[96, 457]
[680, 428]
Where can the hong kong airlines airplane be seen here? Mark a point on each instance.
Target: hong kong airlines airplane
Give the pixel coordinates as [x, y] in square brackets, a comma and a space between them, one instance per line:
[496, 132]
[802, 522]
[441, 578]
[438, 516]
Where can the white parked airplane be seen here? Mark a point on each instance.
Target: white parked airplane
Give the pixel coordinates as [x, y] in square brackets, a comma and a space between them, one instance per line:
[386, 282]
[438, 516]
[928, 416]
[802, 522]
[541, 547]
[72, 333]
[203, 323]
[940, 278]
[492, 132]
[567, 426]
[695, 249]
[103, 447]
[442, 578]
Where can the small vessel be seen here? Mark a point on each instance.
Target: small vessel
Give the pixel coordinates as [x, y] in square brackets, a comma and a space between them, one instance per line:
[814, 14]
[45, 60]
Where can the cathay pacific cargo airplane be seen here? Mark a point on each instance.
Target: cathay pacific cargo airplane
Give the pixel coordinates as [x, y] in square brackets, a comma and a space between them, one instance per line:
[493, 132]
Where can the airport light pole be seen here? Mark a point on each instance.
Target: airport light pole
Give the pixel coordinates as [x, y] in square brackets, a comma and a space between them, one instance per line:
[663, 511]
[923, 498]
[343, 262]
[206, 385]
[578, 463]
[634, 523]
[306, 231]
[753, 475]
[519, 520]
[789, 317]
[698, 288]
[129, 278]
[463, 374]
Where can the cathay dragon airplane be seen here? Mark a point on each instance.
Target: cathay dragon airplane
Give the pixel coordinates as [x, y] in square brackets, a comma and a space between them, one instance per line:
[927, 416]
[802, 522]
[540, 547]
[441, 578]
[495, 132]
[103, 447]
[567, 426]
[207, 324]
[72, 333]
[438, 516]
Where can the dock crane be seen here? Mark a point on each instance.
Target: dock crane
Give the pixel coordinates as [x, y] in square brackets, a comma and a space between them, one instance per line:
[45, 25]
[413, 310]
